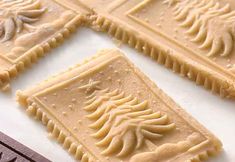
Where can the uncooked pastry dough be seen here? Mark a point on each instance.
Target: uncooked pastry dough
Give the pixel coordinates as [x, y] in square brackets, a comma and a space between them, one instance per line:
[192, 37]
[29, 29]
[106, 110]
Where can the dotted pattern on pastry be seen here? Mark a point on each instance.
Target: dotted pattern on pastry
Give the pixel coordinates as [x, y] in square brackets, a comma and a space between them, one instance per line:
[67, 142]
[74, 147]
[215, 83]
[33, 110]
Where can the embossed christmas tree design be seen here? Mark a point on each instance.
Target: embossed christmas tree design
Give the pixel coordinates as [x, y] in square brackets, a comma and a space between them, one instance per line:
[122, 123]
[210, 23]
[16, 15]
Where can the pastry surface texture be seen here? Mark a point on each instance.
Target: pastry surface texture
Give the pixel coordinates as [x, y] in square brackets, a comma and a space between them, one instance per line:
[106, 110]
[29, 29]
[194, 38]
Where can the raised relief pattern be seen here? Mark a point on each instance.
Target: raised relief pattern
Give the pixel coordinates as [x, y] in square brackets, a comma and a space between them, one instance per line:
[29, 29]
[170, 150]
[35, 35]
[122, 123]
[111, 112]
[211, 24]
[16, 15]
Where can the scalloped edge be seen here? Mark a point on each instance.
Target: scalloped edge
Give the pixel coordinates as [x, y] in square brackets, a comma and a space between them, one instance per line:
[22, 97]
[38, 51]
[210, 80]
[33, 110]
[204, 155]
[74, 147]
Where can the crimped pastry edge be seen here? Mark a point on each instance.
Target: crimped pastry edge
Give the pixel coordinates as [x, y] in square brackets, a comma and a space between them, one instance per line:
[216, 143]
[208, 79]
[68, 143]
[22, 97]
[205, 155]
[34, 110]
[40, 50]
[75, 148]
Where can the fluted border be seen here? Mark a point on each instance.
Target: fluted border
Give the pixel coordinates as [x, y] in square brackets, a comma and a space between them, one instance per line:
[40, 50]
[22, 97]
[29, 101]
[211, 81]
[68, 143]
[34, 110]
[205, 155]
[76, 149]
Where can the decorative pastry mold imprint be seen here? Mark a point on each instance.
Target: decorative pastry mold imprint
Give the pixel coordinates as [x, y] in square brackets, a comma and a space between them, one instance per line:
[218, 79]
[102, 108]
[122, 124]
[73, 147]
[22, 24]
[210, 23]
[33, 110]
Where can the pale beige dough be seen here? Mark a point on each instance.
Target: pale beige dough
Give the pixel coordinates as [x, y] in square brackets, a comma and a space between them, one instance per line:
[106, 110]
[30, 28]
[192, 37]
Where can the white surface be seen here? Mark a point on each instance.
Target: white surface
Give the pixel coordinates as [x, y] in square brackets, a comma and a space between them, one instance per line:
[217, 114]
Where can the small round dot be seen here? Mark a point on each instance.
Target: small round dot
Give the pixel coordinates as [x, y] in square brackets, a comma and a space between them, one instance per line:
[71, 107]
[74, 100]
[159, 25]
[214, 59]
[229, 65]
[75, 128]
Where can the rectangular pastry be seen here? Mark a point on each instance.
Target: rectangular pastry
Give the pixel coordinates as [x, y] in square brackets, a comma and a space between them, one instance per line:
[12, 151]
[29, 29]
[192, 37]
[106, 110]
